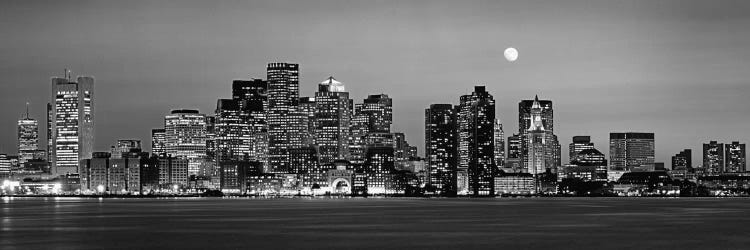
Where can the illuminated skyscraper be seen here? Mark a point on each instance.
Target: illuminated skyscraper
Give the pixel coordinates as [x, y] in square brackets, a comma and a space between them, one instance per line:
[158, 141]
[631, 151]
[441, 147]
[373, 115]
[332, 119]
[233, 131]
[579, 144]
[537, 142]
[283, 99]
[513, 159]
[499, 144]
[185, 137]
[28, 138]
[524, 122]
[735, 159]
[72, 122]
[476, 134]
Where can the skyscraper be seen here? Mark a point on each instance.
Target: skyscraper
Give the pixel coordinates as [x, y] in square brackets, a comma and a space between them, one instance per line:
[713, 157]
[72, 122]
[735, 157]
[252, 97]
[524, 122]
[683, 160]
[579, 144]
[332, 118]
[515, 150]
[631, 151]
[28, 138]
[441, 147]
[476, 122]
[158, 141]
[537, 142]
[233, 132]
[499, 144]
[373, 115]
[283, 99]
[185, 137]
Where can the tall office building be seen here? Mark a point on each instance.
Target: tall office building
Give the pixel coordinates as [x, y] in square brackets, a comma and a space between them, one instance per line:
[332, 118]
[379, 165]
[124, 146]
[232, 131]
[71, 113]
[579, 144]
[5, 167]
[441, 147]
[252, 97]
[373, 115]
[713, 157]
[538, 143]
[514, 158]
[524, 122]
[158, 141]
[28, 138]
[185, 137]
[683, 160]
[476, 122]
[283, 99]
[631, 151]
[499, 144]
[735, 157]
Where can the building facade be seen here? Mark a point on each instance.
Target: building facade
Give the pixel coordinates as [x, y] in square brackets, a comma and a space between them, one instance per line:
[631, 151]
[71, 123]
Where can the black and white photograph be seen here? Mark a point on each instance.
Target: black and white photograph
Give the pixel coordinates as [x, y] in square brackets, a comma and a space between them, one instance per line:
[374, 124]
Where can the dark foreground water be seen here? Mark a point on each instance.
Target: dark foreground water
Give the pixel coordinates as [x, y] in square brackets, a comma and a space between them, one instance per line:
[206, 223]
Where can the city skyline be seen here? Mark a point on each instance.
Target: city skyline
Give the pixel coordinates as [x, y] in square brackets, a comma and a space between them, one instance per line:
[644, 107]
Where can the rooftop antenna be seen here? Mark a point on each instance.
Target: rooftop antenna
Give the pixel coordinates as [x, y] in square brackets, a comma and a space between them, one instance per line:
[27, 110]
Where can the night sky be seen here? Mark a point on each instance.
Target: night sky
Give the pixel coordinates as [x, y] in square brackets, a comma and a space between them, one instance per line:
[680, 69]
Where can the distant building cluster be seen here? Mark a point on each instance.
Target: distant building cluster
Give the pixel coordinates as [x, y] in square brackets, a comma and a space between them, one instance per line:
[268, 140]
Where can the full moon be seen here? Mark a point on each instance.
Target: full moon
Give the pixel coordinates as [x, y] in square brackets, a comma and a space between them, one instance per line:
[511, 54]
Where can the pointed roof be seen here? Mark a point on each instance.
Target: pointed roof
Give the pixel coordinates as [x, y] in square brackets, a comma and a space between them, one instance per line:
[333, 85]
[536, 104]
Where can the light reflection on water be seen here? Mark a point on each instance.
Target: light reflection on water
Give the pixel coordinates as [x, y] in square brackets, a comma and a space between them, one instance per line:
[70, 222]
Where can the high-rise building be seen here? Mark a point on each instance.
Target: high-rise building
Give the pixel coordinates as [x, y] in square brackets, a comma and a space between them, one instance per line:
[683, 160]
[537, 143]
[713, 157]
[125, 146]
[158, 141]
[252, 97]
[441, 147]
[28, 138]
[524, 122]
[304, 163]
[283, 99]
[332, 120]
[476, 122]
[514, 158]
[185, 137]
[307, 108]
[233, 132]
[72, 122]
[499, 144]
[579, 144]
[735, 157]
[631, 151]
[378, 111]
